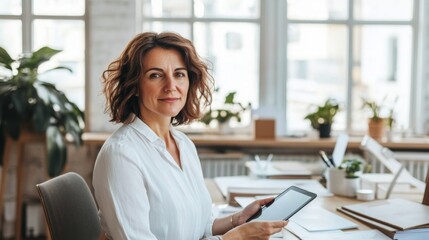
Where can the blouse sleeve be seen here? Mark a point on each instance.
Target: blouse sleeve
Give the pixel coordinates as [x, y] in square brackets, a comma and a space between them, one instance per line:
[121, 194]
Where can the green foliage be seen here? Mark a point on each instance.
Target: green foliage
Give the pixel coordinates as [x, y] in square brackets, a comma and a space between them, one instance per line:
[323, 114]
[27, 101]
[374, 107]
[351, 166]
[232, 109]
[381, 110]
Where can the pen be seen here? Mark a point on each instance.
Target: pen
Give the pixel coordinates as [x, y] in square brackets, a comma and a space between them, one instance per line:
[331, 160]
[325, 159]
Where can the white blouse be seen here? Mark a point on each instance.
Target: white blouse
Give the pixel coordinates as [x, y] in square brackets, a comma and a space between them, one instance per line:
[143, 194]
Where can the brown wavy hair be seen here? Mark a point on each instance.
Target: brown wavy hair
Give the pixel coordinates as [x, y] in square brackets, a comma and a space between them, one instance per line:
[121, 79]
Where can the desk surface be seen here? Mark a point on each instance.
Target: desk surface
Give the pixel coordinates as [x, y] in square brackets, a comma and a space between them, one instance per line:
[329, 203]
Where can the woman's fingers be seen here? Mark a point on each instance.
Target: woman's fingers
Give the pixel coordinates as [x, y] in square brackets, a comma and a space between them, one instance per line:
[265, 201]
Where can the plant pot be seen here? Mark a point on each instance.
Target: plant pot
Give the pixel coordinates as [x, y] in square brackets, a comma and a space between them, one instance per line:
[325, 130]
[224, 128]
[338, 184]
[376, 128]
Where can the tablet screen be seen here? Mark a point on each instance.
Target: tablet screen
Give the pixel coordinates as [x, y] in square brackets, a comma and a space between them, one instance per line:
[285, 205]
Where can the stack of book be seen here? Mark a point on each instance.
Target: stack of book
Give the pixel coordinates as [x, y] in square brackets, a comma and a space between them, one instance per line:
[399, 219]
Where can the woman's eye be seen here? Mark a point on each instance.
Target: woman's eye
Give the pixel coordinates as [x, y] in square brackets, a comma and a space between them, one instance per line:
[180, 74]
[154, 75]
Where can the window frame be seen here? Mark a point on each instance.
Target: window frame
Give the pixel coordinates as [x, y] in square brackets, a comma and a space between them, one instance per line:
[276, 27]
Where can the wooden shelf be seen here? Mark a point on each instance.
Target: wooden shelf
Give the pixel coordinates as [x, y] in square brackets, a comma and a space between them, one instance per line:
[247, 141]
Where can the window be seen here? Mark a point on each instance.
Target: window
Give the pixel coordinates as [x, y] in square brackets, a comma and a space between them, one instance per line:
[349, 52]
[226, 33]
[27, 25]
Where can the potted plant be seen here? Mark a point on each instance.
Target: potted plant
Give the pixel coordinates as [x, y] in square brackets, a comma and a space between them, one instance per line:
[232, 109]
[376, 123]
[344, 180]
[323, 117]
[28, 104]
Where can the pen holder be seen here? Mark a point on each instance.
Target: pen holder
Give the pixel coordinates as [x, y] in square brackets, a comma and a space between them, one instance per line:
[340, 185]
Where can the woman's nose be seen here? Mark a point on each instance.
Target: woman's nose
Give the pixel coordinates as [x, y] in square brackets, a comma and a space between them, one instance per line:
[170, 84]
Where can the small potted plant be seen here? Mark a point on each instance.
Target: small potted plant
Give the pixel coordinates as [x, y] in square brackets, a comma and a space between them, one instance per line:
[345, 179]
[376, 123]
[231, 109]
[323, 117]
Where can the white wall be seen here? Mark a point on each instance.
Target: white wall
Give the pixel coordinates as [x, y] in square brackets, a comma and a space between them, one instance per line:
[111, 25]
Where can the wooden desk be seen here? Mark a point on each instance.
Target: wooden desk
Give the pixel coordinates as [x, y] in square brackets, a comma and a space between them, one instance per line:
[329, 203]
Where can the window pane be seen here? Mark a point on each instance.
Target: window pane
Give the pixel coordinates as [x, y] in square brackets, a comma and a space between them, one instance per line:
[317, 70]
[183, 29]
[11, 36]
[10, 7]
[382, 69]
[167, 8]
[227, 8]
[232, 48]
[317, 9]
[383, 9]
[68, 36]
[59, 7]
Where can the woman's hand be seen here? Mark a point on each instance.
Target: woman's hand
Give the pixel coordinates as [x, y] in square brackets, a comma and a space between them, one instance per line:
[255, 230]
[242, 216]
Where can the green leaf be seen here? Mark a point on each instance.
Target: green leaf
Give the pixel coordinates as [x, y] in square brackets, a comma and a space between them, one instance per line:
[41, 116]
[5, 59]
[42, 92]
[18, 105]
[229, 99]
[58, 68]
[13, 124]
[57, 151]
[38, 57]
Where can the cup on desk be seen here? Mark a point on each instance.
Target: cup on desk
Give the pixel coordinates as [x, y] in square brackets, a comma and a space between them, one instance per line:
[340, 185]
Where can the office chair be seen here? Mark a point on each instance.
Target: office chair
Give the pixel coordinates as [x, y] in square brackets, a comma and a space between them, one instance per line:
[385, 156]
[70, 209]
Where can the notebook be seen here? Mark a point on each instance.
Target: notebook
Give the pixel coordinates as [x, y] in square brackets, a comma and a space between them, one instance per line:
[392, 216]
[401, 214]
[411, 234]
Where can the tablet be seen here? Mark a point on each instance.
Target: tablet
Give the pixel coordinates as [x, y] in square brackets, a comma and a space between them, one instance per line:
[284, 205]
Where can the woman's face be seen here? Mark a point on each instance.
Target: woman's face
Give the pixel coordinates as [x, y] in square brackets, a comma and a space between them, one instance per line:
[164, 84]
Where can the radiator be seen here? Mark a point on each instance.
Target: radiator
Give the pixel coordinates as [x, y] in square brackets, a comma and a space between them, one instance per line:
[223, 164]
[233, 164]
[417, 163]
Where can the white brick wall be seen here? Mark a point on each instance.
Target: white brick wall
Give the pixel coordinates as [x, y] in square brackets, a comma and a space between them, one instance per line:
[111, 25]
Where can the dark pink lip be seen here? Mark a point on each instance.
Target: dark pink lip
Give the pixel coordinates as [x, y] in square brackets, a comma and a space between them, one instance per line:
[169, 99]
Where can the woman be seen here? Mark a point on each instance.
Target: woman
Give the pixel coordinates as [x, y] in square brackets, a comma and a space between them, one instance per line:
[147, 178]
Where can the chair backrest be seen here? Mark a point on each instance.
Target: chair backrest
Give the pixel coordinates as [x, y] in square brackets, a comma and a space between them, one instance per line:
[70, 209]
[386, 157]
